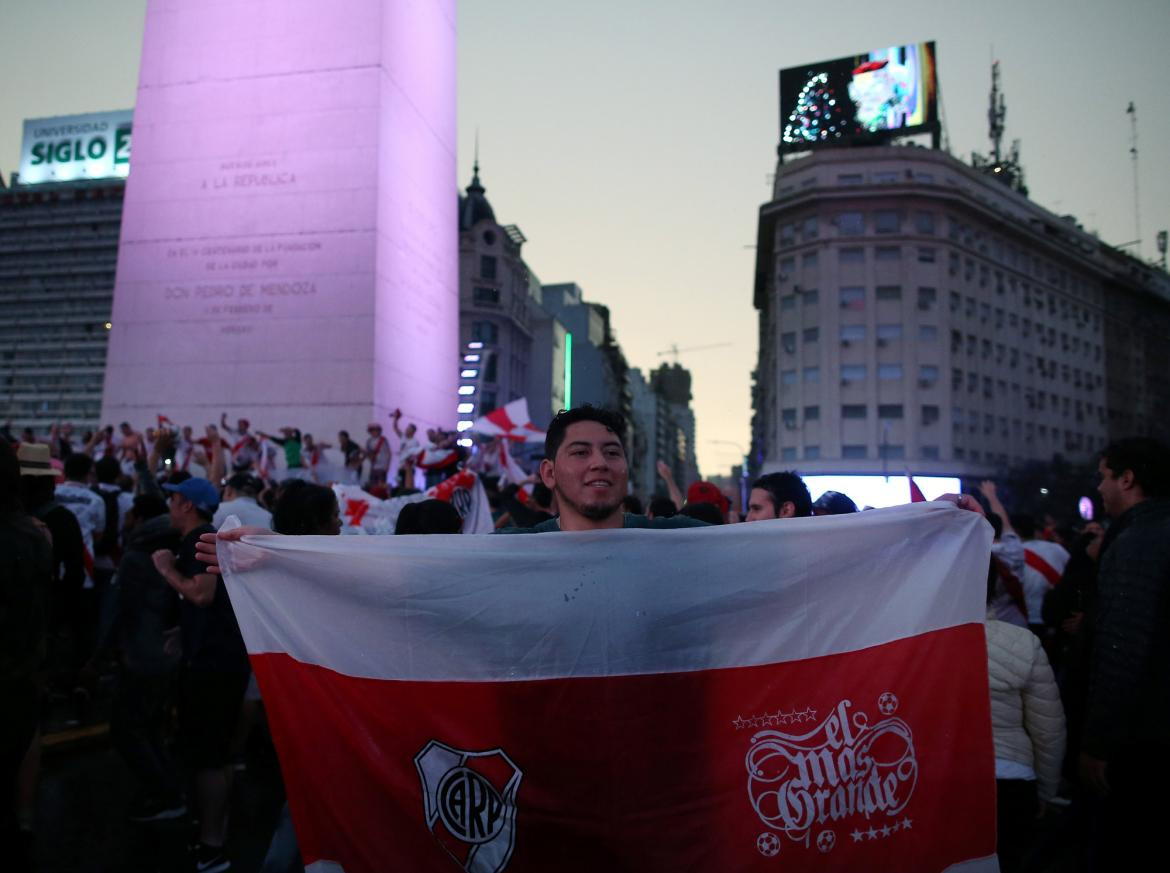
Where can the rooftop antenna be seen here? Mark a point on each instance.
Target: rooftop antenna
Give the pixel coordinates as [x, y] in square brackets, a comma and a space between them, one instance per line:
[1131, 111]
[996, 114]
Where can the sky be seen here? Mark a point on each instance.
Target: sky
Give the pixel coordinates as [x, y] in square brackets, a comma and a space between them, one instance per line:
[633, 142]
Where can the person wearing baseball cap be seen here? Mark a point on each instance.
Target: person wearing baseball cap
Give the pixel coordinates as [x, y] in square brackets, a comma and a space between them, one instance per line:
[215, 665]
[708, 492]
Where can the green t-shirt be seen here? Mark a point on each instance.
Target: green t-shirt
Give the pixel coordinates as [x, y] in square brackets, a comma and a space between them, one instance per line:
[628, 520]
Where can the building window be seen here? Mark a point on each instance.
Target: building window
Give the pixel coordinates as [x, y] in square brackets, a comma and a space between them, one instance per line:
[924, 223]
[889, 331]
[926, 255]
[890, 411]
[853, 373]
[849, 179]
[811, 334]
[851, 255]
[485, 332]
[810, 296]
[956, 301]
[812, 374]
[927, 374]
[851, 224]
[929, 453]
[788, 417]
[489, 370]
[927, 333]
[853, 452]
[852, 332]
[889, 292]
[892, 452]
[808, 260]
[887, 221]
[484, 295]
[888, 253]
[926, 297]
[810, 227]
[930, 415]
[788, 453]
[787, 377]
[812, 413]
[487, 267]
[889, 372]
[812, 453]
[787, 265]
[852, 297]
[788, 341]
[854, 410]
[788, 301]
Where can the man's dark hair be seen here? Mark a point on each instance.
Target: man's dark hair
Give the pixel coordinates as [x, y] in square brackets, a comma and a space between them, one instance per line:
[77, 467]
[707, 512]
[107, 469]
[786, 487]
[663, 507]
[343, 433]
[607, 418]
[631, 503]
[1147, 458]
[996, 525]
[1023, 524]
[243, 483]
[428, 517]
[303, 509]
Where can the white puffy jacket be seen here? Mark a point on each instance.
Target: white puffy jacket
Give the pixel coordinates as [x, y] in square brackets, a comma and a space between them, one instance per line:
[1027, 719]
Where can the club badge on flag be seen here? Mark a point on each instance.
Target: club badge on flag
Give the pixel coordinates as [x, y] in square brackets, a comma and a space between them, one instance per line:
[811, 693]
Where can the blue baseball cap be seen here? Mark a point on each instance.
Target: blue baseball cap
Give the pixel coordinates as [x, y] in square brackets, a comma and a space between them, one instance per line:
[199, 491]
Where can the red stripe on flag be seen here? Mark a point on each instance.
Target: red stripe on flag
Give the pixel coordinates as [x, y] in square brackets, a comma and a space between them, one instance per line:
[876, 760]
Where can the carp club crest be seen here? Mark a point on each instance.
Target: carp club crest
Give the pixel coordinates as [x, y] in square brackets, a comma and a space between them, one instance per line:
[469, 800]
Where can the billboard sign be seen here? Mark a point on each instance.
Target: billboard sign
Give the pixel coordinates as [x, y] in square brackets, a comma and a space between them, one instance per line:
[863, 98]
[70, 147]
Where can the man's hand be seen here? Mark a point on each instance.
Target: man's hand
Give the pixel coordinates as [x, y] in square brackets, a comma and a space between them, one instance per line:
[1093, 774]
[1097, 536]
[164, 561]
[205, 547]
[1072, 624]
[988, 489]
[664, 471]
[964, 501]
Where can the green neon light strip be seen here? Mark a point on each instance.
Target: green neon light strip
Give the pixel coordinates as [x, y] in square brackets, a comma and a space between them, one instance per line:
[568, 370]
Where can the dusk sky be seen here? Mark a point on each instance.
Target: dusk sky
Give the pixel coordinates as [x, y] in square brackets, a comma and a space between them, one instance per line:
[633, 142]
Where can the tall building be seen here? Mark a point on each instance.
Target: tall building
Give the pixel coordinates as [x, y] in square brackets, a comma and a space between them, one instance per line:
[662, 428]
[58, 250]
[914, 312]
[499, 308]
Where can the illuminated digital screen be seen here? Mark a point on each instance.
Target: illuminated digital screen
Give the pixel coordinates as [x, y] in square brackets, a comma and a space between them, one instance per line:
[881, 491]
[863, 98]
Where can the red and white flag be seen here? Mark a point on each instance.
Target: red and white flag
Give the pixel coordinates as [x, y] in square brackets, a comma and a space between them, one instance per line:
[363, 513]
[511, 422]
[806, 694]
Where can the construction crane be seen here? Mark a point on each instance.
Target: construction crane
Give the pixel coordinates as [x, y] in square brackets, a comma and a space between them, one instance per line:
[675, 351]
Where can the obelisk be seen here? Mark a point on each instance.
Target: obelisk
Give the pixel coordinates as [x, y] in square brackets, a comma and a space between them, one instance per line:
[288, 250]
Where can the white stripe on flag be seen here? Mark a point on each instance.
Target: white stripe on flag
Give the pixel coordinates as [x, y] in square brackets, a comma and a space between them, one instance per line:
[609, 603]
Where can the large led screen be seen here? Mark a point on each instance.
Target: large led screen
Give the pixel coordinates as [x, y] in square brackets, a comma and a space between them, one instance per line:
[863, 98]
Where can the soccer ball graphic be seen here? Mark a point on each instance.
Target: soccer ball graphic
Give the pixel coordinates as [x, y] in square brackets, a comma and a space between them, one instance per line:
[826, 840]
[768, 844]
[888, 703]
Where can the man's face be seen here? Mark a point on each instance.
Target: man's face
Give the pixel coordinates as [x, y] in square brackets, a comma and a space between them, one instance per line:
[760, 506]
[1112, 490]
[410, 430]
[589, 474]
[126, 429]
[176, 508]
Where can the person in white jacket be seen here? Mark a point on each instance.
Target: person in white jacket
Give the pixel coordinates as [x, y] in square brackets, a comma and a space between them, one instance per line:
[1028, 731]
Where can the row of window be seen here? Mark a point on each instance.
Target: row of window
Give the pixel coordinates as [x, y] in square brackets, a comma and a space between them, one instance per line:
[1028, 432]
[885, 412]
[889, 452]
[1086, 380]
[970, 307]
[851, 373]
[850, 333]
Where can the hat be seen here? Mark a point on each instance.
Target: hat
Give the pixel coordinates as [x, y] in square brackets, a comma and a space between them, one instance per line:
[707, 492]
[35, 460]
[374, 424]
[834, 503]
[199, 491]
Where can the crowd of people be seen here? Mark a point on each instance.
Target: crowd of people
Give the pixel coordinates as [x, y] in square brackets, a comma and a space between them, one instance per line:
[109, 565]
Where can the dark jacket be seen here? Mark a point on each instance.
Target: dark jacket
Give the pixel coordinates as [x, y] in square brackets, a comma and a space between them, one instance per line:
[26, 572]
[1129, 683]
[144, 607]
